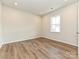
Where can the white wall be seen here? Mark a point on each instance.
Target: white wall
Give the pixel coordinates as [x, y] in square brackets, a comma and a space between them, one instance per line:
[19, 25]
[68, 25]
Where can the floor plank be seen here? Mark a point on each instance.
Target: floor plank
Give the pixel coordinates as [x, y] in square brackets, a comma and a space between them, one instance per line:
[37, 49]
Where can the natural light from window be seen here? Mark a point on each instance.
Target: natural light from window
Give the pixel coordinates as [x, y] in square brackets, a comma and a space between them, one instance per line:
[55, 24]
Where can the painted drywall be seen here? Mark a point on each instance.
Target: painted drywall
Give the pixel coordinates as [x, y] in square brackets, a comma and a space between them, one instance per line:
[19, 25]
[78, 29]
[68, 25]
[0, 24]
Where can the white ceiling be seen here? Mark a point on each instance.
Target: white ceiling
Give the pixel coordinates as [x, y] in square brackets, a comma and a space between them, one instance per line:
[39, 7]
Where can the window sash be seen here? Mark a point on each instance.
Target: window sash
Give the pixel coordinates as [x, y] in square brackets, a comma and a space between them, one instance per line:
[55, 20]
[55, 28]
[55, 24]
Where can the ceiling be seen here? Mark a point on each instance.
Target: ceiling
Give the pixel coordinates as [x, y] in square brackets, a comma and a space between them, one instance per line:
[38, 7]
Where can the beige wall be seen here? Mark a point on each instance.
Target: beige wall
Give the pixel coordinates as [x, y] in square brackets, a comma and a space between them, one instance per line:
[19, 25]
[78, 29]
[68, 25]
[0, 24]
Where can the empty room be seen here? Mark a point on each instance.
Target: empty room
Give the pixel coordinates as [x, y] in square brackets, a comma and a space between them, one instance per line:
[39, 29]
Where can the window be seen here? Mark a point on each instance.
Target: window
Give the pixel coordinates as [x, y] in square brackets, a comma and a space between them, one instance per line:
[55, 24]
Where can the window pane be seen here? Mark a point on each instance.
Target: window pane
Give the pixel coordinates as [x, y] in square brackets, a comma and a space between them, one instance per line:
[57, 28]
[53, 20]
[55, 24]
[53, 28]
[57, 21]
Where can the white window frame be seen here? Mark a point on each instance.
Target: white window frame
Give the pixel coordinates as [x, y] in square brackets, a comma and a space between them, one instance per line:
[51, 25]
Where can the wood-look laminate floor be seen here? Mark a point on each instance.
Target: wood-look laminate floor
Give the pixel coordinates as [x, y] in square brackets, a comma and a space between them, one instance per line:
[37, 49]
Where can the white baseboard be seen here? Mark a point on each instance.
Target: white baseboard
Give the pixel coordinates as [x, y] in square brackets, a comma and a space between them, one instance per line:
[62, 41]
[30, 39]
[1, 45]
[18, 40]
